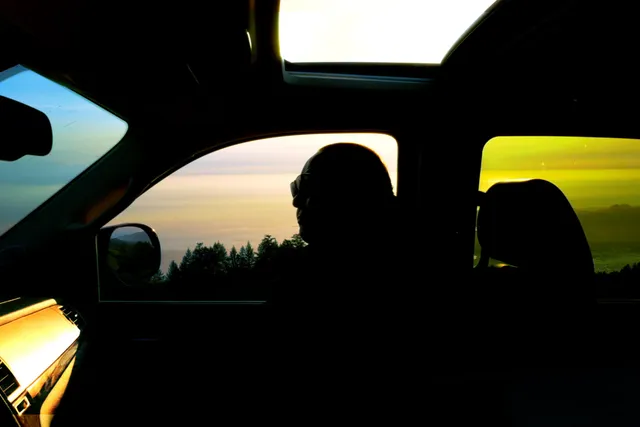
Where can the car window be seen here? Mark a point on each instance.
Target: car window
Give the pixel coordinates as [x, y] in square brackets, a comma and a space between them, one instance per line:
[82, 133]
[226, 211]
[601, 179]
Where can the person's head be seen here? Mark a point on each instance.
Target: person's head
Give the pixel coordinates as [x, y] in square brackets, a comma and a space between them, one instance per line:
[343, 190]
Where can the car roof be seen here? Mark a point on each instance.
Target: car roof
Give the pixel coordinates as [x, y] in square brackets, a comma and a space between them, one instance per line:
[138, 62]
[526, 68]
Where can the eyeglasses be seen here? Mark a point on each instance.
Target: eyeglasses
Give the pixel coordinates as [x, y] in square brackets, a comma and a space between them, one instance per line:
[305, 185]
[300, 185]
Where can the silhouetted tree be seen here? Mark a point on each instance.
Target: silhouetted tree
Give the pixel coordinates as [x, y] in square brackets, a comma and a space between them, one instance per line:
[220, 258]
[233, 260]
[173, 272]
[206, 272]
[290, 253]
[267, 254]
[247, 257]
[297, 241]
[203, 260]
[158, 277]
[251, 255]
[267, 248]
[186, 260]
[619, 284]
[292, 244]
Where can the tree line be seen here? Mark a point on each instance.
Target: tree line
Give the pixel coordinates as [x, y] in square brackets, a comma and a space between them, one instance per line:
[209, 268]
[208, 264]
[624, 283]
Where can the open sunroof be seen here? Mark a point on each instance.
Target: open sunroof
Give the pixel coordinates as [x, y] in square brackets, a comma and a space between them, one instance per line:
[374, 31]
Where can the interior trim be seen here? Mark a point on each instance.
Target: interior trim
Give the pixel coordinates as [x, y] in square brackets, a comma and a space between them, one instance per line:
[20, 307]
[360, 76]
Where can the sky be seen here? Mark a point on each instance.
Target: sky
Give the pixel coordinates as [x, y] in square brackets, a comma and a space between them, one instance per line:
[239, 193]
[393, 31]
[82, 133]
[599, 176]
[592, 172]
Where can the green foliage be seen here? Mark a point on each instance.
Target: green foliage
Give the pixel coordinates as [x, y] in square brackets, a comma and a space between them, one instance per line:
[619, 284]
[233, 262]
[247, 257]
[297, 241]
[202, 265]
[212, 269]
[158, 277]
[173, 272]
[186, 260]
[267, 249]
[213, 273]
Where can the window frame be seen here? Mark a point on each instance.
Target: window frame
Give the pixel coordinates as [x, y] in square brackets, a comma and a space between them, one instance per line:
[210, 151]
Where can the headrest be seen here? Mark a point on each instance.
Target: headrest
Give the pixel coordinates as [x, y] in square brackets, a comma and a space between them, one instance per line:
[531, 225]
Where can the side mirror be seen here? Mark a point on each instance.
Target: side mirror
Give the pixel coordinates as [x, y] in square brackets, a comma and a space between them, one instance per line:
[23, 131]
[130, 251]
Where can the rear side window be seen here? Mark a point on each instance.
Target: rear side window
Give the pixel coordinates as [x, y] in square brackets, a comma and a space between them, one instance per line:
[601, 179]
[82, 133]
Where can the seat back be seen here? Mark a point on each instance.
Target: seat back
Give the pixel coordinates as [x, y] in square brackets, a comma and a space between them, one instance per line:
[532, 226]
[548, 294]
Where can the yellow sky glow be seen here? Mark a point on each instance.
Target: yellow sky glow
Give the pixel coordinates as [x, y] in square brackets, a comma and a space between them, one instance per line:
[592, 172]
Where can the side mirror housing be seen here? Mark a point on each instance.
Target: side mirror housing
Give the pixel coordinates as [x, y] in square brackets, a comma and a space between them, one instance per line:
[130, 252]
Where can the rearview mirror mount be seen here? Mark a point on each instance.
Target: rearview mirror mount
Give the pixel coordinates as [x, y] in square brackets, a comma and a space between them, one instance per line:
[24, 131]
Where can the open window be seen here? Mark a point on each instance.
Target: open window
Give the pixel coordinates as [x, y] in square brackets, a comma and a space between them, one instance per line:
[601, 179]
[378, 31]
[399, 42]
[226, 223]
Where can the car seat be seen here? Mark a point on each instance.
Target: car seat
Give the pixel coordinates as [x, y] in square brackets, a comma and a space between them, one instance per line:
[532, 226]
[547, 292]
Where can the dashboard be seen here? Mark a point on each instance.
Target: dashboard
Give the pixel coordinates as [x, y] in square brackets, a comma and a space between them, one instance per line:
[39, 342]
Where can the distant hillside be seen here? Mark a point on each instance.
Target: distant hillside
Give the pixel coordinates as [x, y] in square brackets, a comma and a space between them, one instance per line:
[615, 224]
[140, 236]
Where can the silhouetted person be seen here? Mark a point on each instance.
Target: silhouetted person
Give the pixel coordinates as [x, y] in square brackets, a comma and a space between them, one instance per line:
[338, 300]
[347, 213]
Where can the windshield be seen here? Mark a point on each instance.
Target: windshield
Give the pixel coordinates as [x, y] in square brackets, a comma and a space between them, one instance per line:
[82, 133]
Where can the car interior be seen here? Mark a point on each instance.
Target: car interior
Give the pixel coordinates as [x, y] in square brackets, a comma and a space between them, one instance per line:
[530, 343]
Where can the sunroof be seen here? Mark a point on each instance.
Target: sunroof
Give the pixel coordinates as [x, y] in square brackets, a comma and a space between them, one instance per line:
[386, 31]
